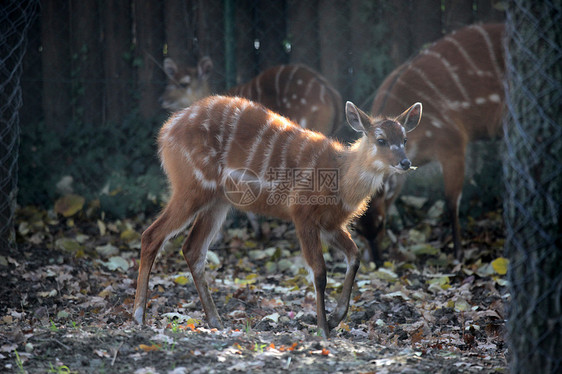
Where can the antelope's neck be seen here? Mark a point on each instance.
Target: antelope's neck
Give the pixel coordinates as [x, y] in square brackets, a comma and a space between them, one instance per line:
[362, 175]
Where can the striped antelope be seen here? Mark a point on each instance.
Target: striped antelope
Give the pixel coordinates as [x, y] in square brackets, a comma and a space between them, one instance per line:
[228, 151]
[460, 77]
[294, 91]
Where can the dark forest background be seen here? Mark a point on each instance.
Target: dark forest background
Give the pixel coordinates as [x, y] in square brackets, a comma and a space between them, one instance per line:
[92, 74]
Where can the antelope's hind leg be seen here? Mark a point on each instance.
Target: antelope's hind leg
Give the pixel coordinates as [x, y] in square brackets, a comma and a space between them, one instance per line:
[204, 229]
[173, 220]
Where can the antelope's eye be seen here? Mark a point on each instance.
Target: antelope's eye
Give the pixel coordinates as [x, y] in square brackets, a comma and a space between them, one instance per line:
[184, 84]
[382, 142]
[405, 141]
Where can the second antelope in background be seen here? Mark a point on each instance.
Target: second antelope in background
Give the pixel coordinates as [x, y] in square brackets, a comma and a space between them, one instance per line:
[294, 91]
[459, 78]
[228, 151]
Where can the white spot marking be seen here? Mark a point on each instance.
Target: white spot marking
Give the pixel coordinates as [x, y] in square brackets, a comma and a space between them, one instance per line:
[495, 98]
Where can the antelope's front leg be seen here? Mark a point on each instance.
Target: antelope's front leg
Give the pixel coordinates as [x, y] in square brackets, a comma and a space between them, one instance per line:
[311, 247]
[341, 239]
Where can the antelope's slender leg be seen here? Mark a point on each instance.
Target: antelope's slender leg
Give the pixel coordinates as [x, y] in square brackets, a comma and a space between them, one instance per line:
[453, 176]
[309, 238]
[204, 230]
[174, 219]
[341, 239]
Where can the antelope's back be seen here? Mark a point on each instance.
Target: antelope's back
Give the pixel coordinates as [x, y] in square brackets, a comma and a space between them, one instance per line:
[299, 93]
[459, 80]
[220, 134]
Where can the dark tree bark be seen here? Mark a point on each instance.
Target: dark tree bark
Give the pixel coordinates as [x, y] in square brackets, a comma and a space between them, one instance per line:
[118, 74]
[458, 13]
[32, 95]
[246, 54]
[425, 23]
[86, 61]
[399, 39]
[180, 34]
[302, 26]
[271, 32]
[533, 181]
[333, 30]
[150, 39]
[490, 11]
[210, 34]
[55, 59]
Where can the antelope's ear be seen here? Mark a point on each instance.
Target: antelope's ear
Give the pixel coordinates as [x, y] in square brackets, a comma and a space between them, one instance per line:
[411, 117]
[205, 67]
[170, 68]
[356, 118]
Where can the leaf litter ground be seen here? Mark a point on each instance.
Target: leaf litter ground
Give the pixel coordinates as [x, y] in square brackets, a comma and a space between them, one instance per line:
[67, 295]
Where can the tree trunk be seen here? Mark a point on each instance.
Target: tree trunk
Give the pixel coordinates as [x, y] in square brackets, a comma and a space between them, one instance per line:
[533, 181]
[180, 35]
[150, 39]
[210, 33]
[490, 11]
[55, 60]
[458, 13]
[333, 29]
[425, 22]
[271, 32]
[400, 40]
[246, 59]
[118, 77]
[302, 28]
[86, 61]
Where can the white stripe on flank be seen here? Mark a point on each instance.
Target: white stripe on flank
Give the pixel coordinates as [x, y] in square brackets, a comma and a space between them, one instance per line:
[323, 94]
[198, 173]
[430, 84]
[258, 89]
[257, 141]
[289, 81]
[277, 85]
[268, 153]
[298, 156]
[492, 53]
[194, 112]
[465, 54]
[314, 160]
[451, 72]
[309, 87]
[288, 141]
[173, 122]
[233, 126]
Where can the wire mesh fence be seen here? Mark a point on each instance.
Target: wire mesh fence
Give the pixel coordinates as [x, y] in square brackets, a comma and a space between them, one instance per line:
[533, 183]
[15, 19]
[93, 73]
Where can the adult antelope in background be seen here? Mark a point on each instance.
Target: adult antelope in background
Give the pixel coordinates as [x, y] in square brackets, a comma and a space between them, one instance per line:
[228, 151]
[459, 78]
[294, 91]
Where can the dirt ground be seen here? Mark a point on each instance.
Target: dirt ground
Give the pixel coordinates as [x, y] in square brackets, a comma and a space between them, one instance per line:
[67, 295]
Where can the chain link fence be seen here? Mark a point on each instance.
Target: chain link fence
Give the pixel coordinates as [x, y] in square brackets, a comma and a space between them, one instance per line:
[15, 19]
[533, 183]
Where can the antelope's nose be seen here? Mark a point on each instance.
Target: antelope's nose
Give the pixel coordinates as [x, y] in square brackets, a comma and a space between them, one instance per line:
[405, 164]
